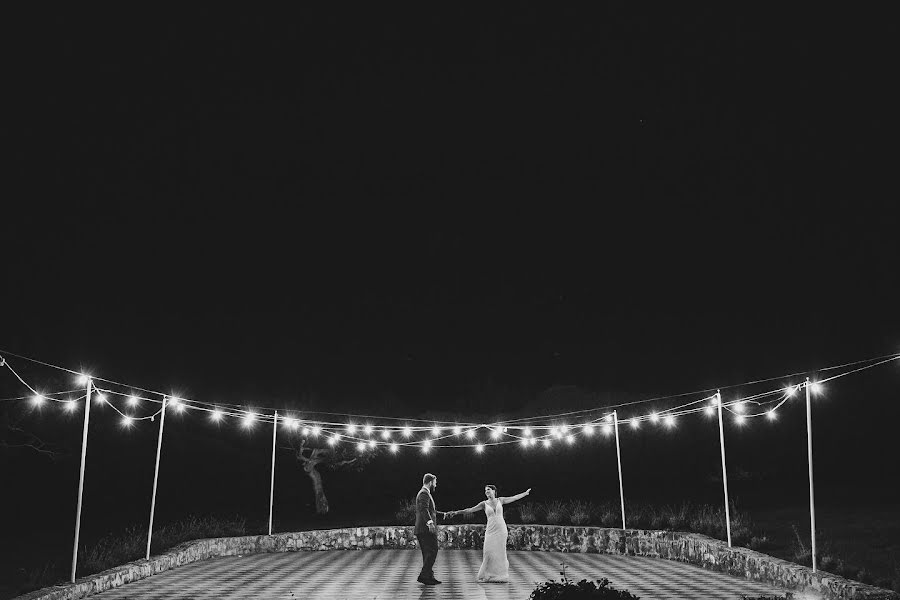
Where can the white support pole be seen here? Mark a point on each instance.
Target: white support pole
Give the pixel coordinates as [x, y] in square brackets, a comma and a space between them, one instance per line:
[162, 422]
[272, 485]
[84, 441]
[812, 501]
[724, 473]
[619, 459]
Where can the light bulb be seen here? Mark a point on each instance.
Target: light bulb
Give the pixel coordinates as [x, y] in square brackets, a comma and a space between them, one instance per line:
[316, 430]
[635, 423]
[216, 415]
[457, 430]
[435, 431]
[394, 448]
[386, 435]
[37, 399]
[368, 430]
[407, 431]
[479, 448]
[654, 417]
[607, 429]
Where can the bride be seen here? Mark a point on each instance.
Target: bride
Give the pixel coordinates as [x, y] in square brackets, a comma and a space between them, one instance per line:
[495, 566]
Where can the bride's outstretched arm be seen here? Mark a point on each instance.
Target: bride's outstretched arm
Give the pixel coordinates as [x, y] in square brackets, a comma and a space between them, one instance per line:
[509, 499]
[476, 508]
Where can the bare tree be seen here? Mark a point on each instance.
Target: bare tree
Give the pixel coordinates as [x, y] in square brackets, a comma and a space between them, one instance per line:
[14, 437]
[313, 457]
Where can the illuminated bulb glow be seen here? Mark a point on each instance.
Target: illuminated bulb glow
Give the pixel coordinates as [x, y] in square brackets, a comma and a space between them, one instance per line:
[371, 444]
[564, 428]
[479, 448]
[710, 410]
[815, 387]
[394, 448]
[589, 429]
[654, 418]
[101, 398]
[83, 379]
[609, 418]
[37, 399]
[635, 423]
[127, 421]
[368, 430]
[771, 415]
[133, 400]
[607, 429]
[670, 421]
[305, 431]
[70, 405]
[495, 434]
[525, 442]
[470, 434]
[547, 442]
[790, 391]
[216, 415]
[457, 430]
[248, 419]
[316, 430]
[570, 438]
[179, 408]
[295, 423]
[426, 446]
[435, 431]
[407, 431]
[351, 428]
[739, 407]
[527, 432]
[332, 441]
[385, 435]
[361, 446]
[739, 419]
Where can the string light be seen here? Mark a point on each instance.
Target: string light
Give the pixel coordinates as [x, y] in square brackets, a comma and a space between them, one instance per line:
[83, 379]
[70, 405]
[635, 423]
[426, 446]
[564, 428]
[394, 448]
[316, 430]
[249, 418]
[525, 442]
[435, 431]
[457, 430]
[37, 400]
[527, 432]
[407, 431]
[371, 444]
[607, 429]
[479, 448]
[127, 421]
[332, 440]
[470, 434]
[133, 401]
[570, 438]
[710, 410]
[815, 387]
[368, 430]
[305, 431]
[670, 420]
[386, 434]
[351, 429]
[790, 391]
[216, 415]
[295, 423]
[495, 434]
[739, 407]
[654, 418]
[739, 419]
[588, 429]
[547, 442]
[361, 446]
[771, 415]
[100, 398]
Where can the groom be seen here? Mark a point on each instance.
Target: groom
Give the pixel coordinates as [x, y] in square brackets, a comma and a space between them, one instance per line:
[426, 528]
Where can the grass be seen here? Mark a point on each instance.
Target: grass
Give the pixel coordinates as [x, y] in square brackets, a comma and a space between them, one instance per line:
[117, 549]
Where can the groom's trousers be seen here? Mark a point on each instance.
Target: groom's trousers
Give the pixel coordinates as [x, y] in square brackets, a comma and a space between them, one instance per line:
[429, 545]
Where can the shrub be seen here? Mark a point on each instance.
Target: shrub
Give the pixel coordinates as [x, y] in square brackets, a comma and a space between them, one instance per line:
[555, 512]
[406, 514]
[567, 589]
[609, 515]
[579, 512]
[528, 512]
[787, 596]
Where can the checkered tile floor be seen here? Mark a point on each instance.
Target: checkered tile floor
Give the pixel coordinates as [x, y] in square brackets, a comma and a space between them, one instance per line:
[388, 574]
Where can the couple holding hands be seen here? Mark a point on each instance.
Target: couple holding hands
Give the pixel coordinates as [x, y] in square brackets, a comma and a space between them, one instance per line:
[495, 566]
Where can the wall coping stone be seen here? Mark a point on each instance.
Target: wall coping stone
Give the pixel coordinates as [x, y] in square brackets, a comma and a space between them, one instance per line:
[692, 548]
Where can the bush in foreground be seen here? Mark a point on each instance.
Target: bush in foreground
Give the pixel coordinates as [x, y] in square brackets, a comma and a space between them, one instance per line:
[567, 589]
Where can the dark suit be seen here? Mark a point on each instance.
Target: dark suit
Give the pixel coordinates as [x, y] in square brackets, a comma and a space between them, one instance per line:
[426, 511]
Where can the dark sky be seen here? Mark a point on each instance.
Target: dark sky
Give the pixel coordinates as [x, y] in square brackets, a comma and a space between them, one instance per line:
[404, 212]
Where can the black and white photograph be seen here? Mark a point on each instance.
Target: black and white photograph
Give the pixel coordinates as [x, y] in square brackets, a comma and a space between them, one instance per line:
[535, 302]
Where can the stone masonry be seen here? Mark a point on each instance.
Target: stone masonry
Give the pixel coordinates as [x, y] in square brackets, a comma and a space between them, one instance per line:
[691, 548]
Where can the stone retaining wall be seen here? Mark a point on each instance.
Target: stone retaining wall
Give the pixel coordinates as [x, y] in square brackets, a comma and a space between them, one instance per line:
[691, 548]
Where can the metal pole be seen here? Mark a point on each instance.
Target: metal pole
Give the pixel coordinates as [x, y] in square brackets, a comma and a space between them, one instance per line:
[84, 441]
[162, 422]
[724, 473]
[812, 502]
[619, 459]
[272, 485]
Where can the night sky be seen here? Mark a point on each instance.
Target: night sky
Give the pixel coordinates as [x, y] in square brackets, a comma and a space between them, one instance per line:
[463, 214]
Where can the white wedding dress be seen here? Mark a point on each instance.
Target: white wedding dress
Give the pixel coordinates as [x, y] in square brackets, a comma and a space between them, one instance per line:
[495, 566]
